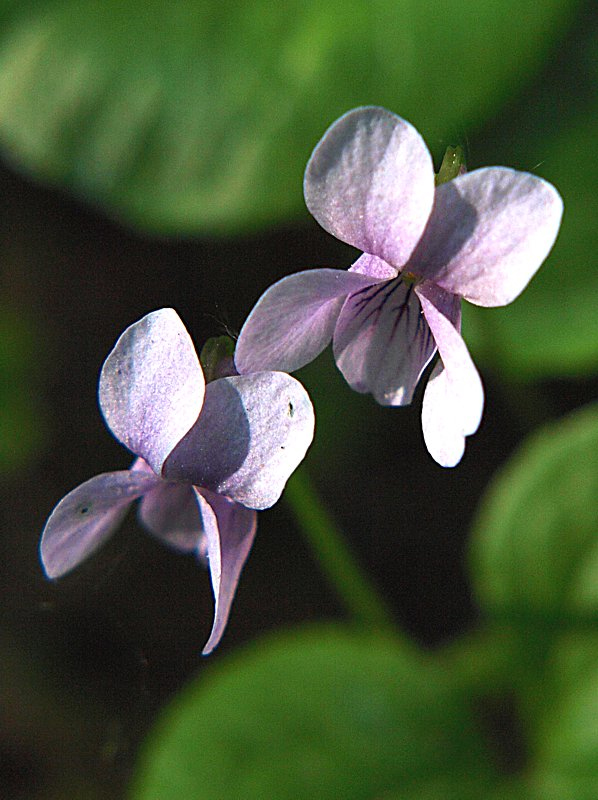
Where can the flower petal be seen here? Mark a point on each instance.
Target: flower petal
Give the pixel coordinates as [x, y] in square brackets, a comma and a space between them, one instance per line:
[370, 182]
[454, 397]
[252, 433]
[382, 342]
[169, 512]
[294, 319]
[230, 531]
[152, 386]
[87, 516]
[374, 267]
[489, 231]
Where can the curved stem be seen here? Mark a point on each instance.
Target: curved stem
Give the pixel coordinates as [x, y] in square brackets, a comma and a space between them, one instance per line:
[355, 590]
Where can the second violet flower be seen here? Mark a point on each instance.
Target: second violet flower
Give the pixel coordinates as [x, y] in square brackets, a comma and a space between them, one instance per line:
[481, 237]
[208, 456]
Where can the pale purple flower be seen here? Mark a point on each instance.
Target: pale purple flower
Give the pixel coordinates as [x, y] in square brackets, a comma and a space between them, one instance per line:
[207, 455]
[481, 237]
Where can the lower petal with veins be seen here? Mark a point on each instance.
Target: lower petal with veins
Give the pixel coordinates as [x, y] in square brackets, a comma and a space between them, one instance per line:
[382, 342]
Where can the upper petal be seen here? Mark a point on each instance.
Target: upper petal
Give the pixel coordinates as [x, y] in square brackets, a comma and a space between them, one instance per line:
[293, 320]
[152, 386]
[230, 531]
[382, 342]
[87, 516]
[488, 233]
[454, 396]
[370, 182]
[253, 431]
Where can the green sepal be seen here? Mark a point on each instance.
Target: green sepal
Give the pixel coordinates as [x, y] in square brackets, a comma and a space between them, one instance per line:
[453, 164]
[216, 357]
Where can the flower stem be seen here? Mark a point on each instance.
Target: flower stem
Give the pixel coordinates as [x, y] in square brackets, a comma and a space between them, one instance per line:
[357, 593]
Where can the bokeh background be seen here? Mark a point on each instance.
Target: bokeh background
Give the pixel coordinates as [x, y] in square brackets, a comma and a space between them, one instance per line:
[152, 155]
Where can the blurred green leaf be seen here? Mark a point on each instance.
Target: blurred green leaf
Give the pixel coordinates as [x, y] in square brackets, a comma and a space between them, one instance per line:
[565, 749]
[200, 116]
[553, 328]
[319, 714]
[462, 790]
[535, 549]
[535, 566]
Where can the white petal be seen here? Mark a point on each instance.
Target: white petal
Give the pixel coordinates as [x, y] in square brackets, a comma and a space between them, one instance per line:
[489, 232]
[294, 319]
[454, 397]
[152, 386]
[252, 433]
[230, 531]
[88, 516]
[370, 182]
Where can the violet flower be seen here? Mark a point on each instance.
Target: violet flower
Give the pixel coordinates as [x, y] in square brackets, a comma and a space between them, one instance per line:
[370, 182]
[208, 456]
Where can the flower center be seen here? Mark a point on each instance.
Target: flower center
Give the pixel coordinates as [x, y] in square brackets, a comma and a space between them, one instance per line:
[410, 278]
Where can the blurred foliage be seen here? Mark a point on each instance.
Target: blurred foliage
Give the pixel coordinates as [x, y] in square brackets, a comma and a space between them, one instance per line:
[199, 116]
[535, 551]
[22, 426]
[566, 743]
[322, 713]
[535, 569]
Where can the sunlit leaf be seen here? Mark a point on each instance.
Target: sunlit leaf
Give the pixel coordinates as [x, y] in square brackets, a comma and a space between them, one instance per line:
[316, 714]
[200, 116]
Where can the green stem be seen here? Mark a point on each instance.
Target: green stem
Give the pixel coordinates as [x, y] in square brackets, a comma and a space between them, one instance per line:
[358, 594]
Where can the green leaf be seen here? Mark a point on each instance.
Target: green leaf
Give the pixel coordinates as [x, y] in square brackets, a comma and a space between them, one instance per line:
[535, 549]
[565, 749]
[552, 329]
[319, 714]
[200, 116]
[535, 564]
[463, 790]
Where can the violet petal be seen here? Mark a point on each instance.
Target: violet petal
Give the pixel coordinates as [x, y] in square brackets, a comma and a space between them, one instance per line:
[152, 386]
[370, 182]
[87, 516]
[488, 233]
[382, 342]
[374, 267]
[454, 396]
[294, 319]
[230, 530]
[169, 512]
[252, 433]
